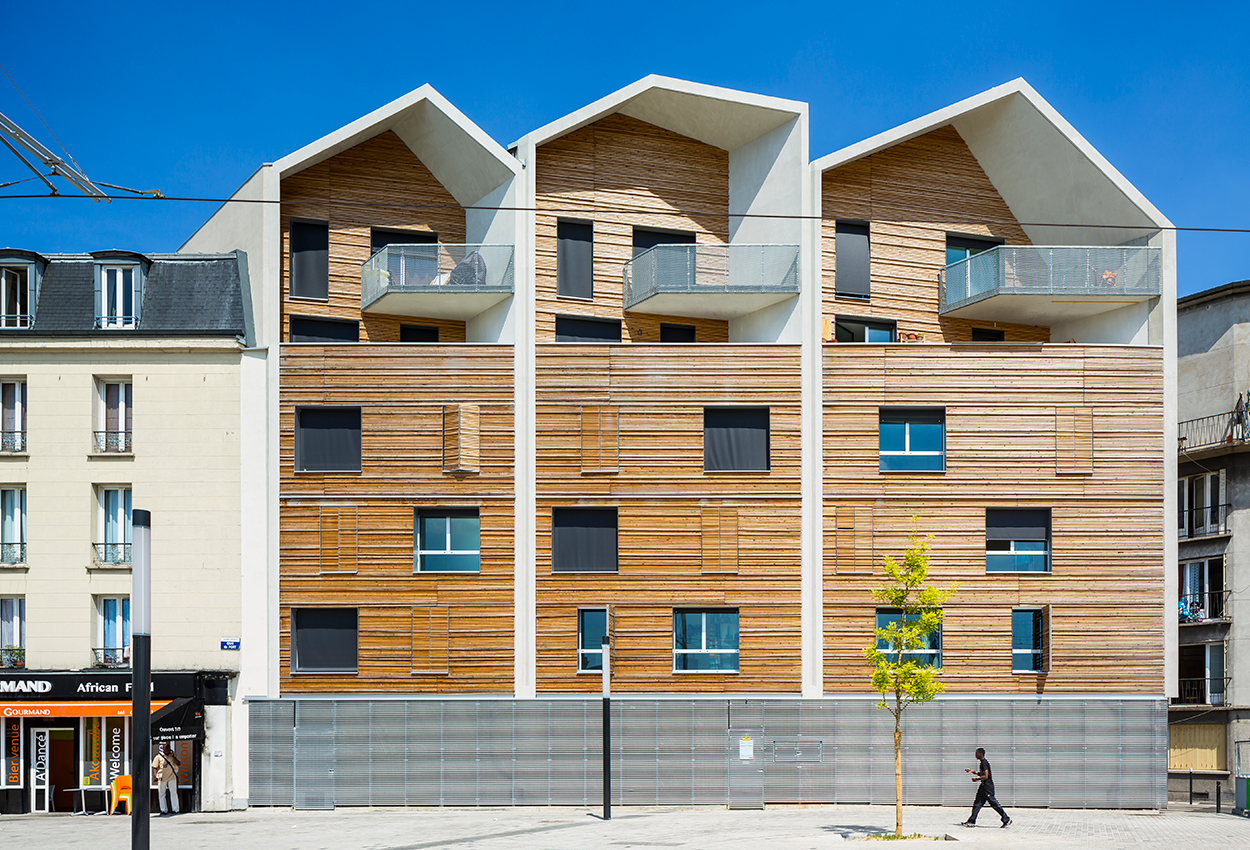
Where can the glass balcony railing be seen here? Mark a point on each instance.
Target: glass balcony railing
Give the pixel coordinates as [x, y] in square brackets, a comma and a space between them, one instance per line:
[436, 280]
[711, 281]
[1089, 275]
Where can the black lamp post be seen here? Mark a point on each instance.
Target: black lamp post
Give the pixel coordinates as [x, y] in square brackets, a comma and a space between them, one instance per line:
[141, 686]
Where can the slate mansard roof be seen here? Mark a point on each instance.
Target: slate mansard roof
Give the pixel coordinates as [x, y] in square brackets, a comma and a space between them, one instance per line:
[182, 295]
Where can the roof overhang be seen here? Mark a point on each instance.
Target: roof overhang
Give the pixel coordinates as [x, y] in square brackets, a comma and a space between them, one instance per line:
[463, 158]
[1045, 170]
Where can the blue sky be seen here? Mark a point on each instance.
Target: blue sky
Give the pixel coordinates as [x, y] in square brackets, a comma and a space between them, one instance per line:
[190, 98]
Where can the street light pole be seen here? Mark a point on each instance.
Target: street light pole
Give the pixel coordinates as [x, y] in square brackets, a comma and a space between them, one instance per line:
[607, 730]
[141, 685]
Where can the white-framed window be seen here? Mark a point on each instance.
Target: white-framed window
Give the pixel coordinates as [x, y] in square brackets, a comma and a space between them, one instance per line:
[118, 296]
[112, 630]
[113, 546]
[114, 415]
[16, 296]
[929, 655]
[13, 525]
[1200, 504]
[705, 640]
[12, 631]
[592, 627]
[911, 439]
[12, 416]
[1030, 640]
[448, 540]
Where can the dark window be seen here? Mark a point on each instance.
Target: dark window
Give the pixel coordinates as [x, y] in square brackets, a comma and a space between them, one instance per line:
[645, 239]
[310, 259]
[1017, 540]
[575, 243]
[851, 260]
[676, 333]
[735, 439]
[307, 329]
[327, 439]
[569, 329]
[583, 540]
[418, 333]
[911, 439]
[851, 329]
[380, 237]
[987, 335]
[323, 640]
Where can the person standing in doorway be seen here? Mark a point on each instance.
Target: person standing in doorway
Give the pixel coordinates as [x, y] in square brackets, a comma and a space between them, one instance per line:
[985, 791]
[165, 771]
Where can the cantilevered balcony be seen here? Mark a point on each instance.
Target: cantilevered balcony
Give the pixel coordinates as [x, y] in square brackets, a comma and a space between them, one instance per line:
[711, 281]
[436, 281]
[1033, 285]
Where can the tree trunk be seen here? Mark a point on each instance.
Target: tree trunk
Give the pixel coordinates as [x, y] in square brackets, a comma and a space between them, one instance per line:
[898, 773]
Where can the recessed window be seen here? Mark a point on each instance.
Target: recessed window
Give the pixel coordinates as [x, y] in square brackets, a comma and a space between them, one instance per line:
[929, 654]
[676, 333]
[323, 640]
[736, 439]
[418, 333]
[310, 259]
[327, 439]
[114, 416]
[584, 540]
[15, 297]
[1028, 640]
[308, 329]
[112, 647]
[575, 245]
[13, 525]
[1203, 596]
[12, 416]
[12, 631]
[962, 247]
[911, 439]
[572, 329]
[1017, 540]
[118, 296]
[852, 260]
[448, 541]
[592, 628]
[113, 546]
[1201, 504]
[850, 329]
[705, 640]
[987, 335]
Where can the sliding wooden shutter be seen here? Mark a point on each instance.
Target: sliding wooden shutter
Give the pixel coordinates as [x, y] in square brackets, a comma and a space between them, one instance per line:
[1046, 641]
[853, 539]
[430, 637]
[461, 438]
[601, 438]
[719, 532]
[1074, 440]
[338, 539]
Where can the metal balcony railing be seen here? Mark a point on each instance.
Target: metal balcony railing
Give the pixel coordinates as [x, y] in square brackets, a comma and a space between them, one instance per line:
[13, 656]
[12, 441]
[12, 553]
[1202, 522]
[102, 322]
[436, 269]
[1059, 270]
[1201, 691]
[112, 553]
[16, 320]
[1220, 429]
[1203, 607]
[711, 270]
[111, 656]
[112, 442]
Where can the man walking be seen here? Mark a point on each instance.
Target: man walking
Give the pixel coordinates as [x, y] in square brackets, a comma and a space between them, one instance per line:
[985, 791]
[165, 771]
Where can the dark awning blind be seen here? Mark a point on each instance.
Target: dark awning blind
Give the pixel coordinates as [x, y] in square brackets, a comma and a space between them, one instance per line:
[180, 720]
[852, 268]
[306, 329]
[325, 638]
[913, 414]
[1017, 524]
[645, 239]
[310, 259]
[327, 439]
[575, 243]
[583, 540]
[379, 238]
[735, 438]
[569, 329]
[971, 243]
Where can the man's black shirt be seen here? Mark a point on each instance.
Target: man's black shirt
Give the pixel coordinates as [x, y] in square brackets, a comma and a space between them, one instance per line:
[988, 782]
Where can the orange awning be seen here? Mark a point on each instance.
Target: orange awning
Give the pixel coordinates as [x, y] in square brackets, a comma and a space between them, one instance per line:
[70, 709]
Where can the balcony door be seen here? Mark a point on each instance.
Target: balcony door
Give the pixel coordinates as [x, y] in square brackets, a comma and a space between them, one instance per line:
[674, 267]
[416, 266]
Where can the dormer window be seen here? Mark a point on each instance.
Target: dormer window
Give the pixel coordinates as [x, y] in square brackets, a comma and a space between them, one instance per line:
[16, 297]
[118, 296]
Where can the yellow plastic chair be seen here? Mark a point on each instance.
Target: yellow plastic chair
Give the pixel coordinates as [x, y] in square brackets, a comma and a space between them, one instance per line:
[120, 789]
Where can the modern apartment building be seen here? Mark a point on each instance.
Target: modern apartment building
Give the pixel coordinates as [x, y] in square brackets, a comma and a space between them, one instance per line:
[653, 374]
[119, 376]
[1210, 710]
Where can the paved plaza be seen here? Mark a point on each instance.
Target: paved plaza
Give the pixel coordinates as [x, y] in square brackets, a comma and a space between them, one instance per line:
[780, 828]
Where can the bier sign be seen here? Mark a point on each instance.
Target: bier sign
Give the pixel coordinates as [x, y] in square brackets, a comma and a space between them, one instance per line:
[11, 755]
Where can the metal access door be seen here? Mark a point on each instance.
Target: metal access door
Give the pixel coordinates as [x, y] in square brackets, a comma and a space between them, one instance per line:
[744, 756]
[314, 755]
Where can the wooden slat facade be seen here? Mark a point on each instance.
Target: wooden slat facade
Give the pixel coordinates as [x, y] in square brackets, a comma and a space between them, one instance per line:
[378, 183]
[403, 392]
[1105, 590]
[912, 195]
[620, 172]
[663, 497]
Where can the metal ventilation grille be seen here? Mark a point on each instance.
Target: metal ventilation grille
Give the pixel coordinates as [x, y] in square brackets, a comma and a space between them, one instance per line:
[1103, 753]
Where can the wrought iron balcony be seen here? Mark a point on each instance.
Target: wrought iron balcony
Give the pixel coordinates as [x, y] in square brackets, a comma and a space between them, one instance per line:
[437, 281]
[1202, 522]
[1043, 285]
[1203, 607]
[112, 553]
[12, 441]
[12, 553]
[1201, 691]
[711, 281]
[111, 656]
[13, 656]
[1209, 432]
[112, 442]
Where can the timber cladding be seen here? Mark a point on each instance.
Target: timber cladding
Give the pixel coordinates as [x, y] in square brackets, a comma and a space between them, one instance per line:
[377, 183]
[1105, 588]
[912, 194]
[436, 432]
[686, 538]
[620, 172]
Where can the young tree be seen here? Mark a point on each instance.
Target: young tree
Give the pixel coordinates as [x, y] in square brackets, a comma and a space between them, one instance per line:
[897, 670]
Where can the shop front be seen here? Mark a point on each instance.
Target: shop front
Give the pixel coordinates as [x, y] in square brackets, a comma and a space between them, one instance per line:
[67, 736]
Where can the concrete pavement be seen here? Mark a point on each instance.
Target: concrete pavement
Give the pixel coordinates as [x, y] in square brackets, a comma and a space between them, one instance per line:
[780, 828]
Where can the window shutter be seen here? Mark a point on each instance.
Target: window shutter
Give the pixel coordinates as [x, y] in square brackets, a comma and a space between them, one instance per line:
[99, 302]
[600, 439]
[128, 397]
[1046, 642]
[575, 243]
[337, 540]
[853, 539]
[852, 273]
[138, 295]
[1074, 440]
[461, 438]
[719, 526]
[430, 633]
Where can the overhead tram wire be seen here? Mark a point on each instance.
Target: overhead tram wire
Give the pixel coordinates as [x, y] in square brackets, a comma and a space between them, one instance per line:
[40, 117]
